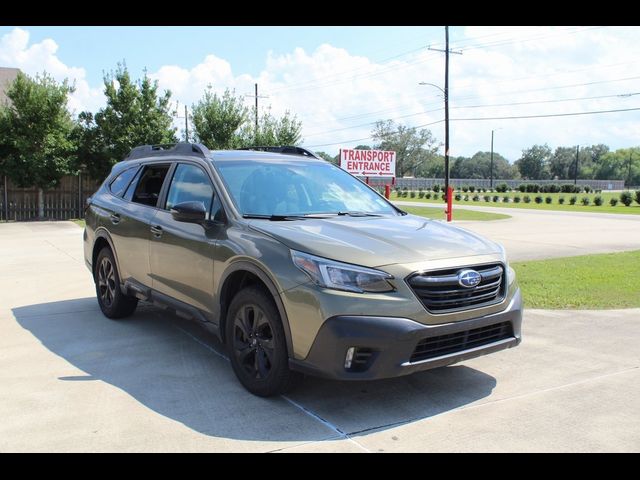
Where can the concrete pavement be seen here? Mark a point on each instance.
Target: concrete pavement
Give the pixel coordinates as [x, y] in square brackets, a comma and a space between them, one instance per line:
[72, 380]
[535, 234]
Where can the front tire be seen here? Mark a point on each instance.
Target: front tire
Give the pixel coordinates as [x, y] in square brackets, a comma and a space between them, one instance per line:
[113, 303]
[257, 345]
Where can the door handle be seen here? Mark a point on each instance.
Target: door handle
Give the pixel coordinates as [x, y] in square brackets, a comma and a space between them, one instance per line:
[156, 230]
[115, 218]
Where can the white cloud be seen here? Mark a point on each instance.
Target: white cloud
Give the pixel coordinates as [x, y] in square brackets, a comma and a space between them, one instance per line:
[33, 59]
[338, 95]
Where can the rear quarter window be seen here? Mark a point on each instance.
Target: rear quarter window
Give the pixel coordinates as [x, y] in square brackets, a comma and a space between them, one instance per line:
[119, 184]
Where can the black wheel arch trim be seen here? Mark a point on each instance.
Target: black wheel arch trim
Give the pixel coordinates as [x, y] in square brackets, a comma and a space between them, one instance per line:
[103, 233]
[259, 272]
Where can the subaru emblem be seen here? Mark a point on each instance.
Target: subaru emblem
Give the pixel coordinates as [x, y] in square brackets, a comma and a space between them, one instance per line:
[469, 278]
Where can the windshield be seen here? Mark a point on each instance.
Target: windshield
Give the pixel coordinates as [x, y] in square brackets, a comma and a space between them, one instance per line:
[297, 188]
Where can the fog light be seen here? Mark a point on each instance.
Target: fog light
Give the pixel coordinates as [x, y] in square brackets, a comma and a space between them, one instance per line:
[349, 357]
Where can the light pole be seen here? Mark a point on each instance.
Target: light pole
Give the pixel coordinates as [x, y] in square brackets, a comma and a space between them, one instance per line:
[446, 133]
[575, 171]
[491, 168]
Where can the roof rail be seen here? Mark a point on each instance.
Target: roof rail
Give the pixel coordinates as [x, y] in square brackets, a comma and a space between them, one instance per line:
[288, 149]
[182, 148]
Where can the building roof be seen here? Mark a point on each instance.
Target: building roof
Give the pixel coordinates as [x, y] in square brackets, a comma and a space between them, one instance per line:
[7, 75]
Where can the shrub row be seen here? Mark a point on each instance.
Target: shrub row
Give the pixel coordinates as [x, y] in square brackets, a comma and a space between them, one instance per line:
[626, 197]
[522, 188]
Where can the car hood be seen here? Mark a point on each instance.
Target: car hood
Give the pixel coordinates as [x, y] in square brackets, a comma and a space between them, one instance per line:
[377, 241]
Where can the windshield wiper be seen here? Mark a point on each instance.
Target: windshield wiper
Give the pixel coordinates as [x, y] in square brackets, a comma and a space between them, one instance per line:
[358, 214]
[275, 218]
[304, 216]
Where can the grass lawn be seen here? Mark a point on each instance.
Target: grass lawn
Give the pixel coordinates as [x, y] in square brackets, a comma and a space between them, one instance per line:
[438, 213]
[79, 221]
[633, 209]
[607, 280]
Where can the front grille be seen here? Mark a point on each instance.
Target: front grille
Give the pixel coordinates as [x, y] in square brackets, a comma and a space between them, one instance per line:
[439, 291]
[432, 347]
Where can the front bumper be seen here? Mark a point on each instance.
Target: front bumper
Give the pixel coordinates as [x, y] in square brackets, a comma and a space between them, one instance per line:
[391, 342]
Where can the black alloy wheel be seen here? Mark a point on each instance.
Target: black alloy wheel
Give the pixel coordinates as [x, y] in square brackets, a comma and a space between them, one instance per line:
[113, 302]
[257, 344]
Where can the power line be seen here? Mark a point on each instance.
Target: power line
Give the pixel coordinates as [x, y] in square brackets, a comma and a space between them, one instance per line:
[371, 123]
[533, 102]
[547, 115]
[471, 83]
[328, 79]
[365, 138]
[515, 117]
[516, 92]
[365, 75]
[475, 106]
[500, 43]
[323, 83]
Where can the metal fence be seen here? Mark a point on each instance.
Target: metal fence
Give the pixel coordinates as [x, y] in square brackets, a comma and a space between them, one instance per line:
[416, 183]
[64, 202]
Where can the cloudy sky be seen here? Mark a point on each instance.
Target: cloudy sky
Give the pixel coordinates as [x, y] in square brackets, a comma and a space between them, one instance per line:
[340, 80]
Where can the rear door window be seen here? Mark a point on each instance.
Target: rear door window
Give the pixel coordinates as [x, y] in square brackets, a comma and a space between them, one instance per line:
[147, 189]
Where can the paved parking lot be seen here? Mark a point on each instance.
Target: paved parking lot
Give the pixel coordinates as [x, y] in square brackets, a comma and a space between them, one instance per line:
[72, 380]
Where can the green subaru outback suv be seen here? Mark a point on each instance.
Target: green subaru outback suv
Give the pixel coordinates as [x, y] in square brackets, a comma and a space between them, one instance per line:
[296, 265]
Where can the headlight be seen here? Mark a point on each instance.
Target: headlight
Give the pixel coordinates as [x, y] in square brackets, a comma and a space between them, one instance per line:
[342, 276]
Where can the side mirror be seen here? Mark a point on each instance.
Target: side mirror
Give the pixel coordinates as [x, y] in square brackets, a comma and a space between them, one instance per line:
[189, 212]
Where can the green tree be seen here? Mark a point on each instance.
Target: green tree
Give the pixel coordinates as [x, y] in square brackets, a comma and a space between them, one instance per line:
[479, 166]
[272, 131]
[615, 166]
[591, 159]
[135, 114]
[432, 167]
[562, 163]
[35, 133]
[328, 158]
[217, 120]
[92, 155]
[413, 147]
[533, 165]
[222, 122]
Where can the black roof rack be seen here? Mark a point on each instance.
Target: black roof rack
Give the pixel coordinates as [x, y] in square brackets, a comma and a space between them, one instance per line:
[288, 149]
[182, 148]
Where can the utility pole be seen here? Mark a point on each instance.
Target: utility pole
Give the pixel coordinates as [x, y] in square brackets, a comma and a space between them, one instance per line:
[446, 107]
[256, 110]
[629, 171]
[446, 111]
[575, 172]
[186, 120]
[186, 124]
[256, 96]
[491, 170]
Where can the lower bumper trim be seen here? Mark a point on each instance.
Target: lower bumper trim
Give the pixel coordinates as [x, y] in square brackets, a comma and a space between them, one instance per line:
[392, 341]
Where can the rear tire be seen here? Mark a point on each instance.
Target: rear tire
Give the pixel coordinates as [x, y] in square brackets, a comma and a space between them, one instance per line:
[113, 303]
[257, 345]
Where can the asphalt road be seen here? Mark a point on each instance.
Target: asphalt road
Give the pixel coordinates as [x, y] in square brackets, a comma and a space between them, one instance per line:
[72, 380]
[535, 234]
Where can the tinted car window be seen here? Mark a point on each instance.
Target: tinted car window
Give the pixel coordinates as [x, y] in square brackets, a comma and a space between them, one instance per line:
[148, 188]
[120, 183]
[291, 187]
[128, 195]
[189, 184]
